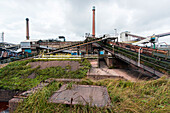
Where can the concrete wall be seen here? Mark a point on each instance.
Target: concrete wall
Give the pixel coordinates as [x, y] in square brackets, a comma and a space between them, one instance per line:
[109, 61]
[94, 62]
[116, 63]
[6, 95]
[13, 104]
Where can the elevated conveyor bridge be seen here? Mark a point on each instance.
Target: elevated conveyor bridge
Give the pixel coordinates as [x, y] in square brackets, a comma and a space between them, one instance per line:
[154, 61]
[94, 40]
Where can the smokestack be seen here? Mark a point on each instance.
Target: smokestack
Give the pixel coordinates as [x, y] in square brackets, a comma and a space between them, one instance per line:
[2, 36]
[93, 25]
[27, 29]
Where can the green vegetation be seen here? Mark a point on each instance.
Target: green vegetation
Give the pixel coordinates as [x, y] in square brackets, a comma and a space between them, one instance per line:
[14, 76]
[129, 97]
[140, 97]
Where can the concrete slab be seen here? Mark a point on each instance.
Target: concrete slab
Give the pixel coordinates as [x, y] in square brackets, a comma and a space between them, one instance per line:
[94, 63]
[65, 80]
[102, 73]
[82, 94]
[126, 75]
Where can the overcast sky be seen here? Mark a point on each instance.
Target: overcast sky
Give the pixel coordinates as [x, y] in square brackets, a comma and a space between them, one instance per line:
[73, 18]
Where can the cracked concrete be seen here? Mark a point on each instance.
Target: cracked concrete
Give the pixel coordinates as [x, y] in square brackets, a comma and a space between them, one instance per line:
[82, 94]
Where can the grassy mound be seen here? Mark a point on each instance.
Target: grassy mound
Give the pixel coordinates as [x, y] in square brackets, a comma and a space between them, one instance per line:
[129, 97]
[14, 76]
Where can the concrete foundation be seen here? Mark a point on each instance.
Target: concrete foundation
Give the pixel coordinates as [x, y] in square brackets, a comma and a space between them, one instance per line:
[6, 95]
[13, 104]
[115, 62]
[109, 61]
[102, 73]
[94, 62]
[82, 94]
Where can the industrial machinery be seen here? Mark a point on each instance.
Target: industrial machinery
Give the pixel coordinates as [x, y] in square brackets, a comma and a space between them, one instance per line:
[151, 39]
[127, 37]
[62, 37]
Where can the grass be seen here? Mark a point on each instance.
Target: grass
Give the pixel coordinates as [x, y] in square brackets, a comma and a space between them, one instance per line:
[126, 97]
[14, 76]
[129, 97]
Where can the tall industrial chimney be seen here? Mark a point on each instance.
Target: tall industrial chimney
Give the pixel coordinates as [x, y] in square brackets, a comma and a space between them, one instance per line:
[27, 29]
[2, 36]
[93, 25]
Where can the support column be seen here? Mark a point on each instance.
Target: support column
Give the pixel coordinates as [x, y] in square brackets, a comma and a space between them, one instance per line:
[87, 49]
[90, 48]
[112, 60]
[98, 57]
[98, 52]
[78, 50]
[106, 52]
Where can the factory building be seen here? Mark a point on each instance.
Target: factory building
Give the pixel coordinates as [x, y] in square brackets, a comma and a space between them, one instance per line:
[29, 46]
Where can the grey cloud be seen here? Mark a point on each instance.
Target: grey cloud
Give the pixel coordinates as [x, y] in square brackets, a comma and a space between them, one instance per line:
[73, 18]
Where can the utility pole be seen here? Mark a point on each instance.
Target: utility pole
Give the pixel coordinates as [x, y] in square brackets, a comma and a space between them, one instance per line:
[139, 56]
[2, 36]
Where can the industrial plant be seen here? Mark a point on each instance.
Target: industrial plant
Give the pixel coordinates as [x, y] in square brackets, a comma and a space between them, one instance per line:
[82, 76]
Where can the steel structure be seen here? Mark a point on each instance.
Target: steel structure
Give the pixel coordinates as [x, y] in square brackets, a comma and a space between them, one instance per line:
[152, 60]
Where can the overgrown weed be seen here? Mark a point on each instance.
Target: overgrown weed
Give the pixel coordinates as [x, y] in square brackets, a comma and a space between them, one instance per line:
[15, 75]
[126, 97]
